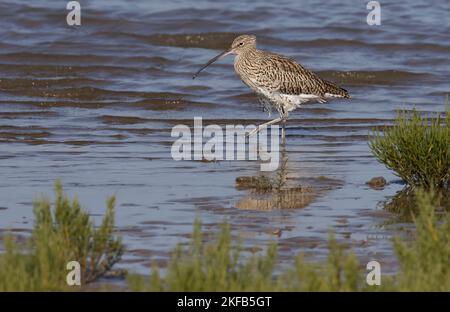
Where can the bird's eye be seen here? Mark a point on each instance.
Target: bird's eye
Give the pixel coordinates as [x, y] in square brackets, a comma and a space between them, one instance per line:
[241, 44]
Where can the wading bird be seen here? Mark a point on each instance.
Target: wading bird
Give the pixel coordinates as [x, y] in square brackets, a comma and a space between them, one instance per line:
[279, 82]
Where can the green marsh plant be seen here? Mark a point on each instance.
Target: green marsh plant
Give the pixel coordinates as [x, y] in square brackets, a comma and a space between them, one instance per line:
[62, 234]
[425, 261]
[416, 148]
[221, 266]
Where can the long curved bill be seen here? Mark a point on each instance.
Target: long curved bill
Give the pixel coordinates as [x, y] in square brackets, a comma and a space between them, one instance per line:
[218, 57]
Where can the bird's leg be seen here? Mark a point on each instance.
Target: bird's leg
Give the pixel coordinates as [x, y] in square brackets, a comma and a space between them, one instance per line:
[283, 130]
[258, 128]
[284, 116]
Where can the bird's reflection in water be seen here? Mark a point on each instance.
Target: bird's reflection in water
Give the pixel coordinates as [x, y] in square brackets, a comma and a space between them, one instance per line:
[276, 191]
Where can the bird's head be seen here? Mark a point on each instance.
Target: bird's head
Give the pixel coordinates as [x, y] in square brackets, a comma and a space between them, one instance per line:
[240, 45]
[243, 43]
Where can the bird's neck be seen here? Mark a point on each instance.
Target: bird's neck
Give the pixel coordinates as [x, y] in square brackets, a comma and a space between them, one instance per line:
[246, 55]
[245, 63]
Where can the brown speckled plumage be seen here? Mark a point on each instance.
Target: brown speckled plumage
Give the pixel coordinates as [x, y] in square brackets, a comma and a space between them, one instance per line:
[261, 69]
[279, 81]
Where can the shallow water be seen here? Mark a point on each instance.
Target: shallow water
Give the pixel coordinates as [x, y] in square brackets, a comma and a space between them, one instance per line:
[94, 106]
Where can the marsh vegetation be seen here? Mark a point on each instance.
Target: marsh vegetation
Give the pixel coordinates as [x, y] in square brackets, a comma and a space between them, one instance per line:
[221, 265]
[416, 148]
[66, 232]
[62, 232]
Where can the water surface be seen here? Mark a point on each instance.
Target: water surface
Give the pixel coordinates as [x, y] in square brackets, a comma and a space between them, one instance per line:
[94, 106]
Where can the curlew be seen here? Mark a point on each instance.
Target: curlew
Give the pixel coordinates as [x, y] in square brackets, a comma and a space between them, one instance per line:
[279, 82]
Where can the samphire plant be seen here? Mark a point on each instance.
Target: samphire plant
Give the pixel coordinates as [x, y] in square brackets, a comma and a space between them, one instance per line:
[425, 261]
[66, 233]
[220, 265]
[416, 148]
[60, 235]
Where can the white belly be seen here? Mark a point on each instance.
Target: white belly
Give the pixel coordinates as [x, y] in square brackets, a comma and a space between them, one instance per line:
[286, 102]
